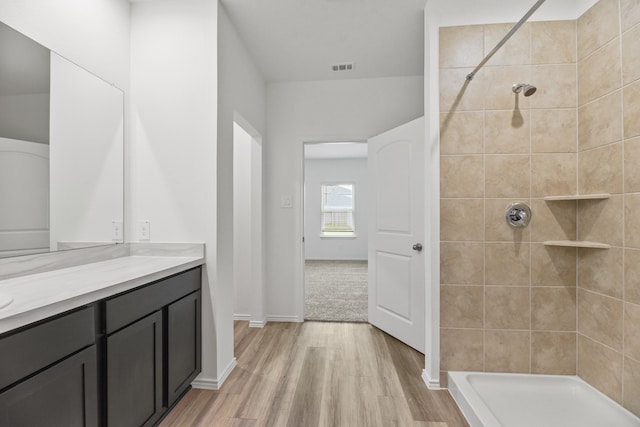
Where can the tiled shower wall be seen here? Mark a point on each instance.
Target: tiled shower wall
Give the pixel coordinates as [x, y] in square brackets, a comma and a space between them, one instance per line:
[609, 162]
[509, 303]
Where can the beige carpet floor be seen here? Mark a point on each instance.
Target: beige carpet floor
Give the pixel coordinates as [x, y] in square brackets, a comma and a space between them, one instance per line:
[336, 291]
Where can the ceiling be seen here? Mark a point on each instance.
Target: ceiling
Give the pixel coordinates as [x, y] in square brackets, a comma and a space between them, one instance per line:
[336, 150]
[297, 40]
[24, 64]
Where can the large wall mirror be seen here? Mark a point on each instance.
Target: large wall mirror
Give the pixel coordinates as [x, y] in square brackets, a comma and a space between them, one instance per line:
[61, 152]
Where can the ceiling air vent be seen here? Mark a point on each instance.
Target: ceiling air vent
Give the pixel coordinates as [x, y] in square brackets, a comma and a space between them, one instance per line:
[346, 66]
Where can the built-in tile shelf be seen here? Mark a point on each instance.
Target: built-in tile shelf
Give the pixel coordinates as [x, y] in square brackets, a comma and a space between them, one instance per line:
[579, 197]
[577, 244]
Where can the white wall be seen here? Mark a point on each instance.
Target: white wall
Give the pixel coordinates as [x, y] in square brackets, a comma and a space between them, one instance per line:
[91, 33]
[174, 109]
[343, 110]
[242, 238]
[25, 117]
[241, 97]
[332, 171]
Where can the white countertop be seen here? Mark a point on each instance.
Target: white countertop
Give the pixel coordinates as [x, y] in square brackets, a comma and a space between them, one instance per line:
[38, 296]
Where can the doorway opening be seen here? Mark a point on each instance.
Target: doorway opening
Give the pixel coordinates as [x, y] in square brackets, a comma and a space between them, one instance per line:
[249, 295]
[335, 232]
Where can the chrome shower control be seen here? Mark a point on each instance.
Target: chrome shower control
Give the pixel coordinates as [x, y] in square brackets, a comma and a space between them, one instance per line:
[518, 214]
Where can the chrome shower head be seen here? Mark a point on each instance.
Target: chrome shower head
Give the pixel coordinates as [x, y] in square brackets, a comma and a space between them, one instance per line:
[525, 88]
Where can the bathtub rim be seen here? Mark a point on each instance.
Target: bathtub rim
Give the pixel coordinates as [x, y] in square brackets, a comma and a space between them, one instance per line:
[476, 411]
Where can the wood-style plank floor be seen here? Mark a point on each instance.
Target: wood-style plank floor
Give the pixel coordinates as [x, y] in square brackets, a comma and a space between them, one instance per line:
[319, 374]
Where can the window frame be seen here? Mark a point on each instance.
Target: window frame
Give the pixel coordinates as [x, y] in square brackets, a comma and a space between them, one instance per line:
[338, 234]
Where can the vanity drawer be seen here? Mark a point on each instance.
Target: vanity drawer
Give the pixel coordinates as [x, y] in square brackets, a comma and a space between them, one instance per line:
[29, 350]
[131, 306]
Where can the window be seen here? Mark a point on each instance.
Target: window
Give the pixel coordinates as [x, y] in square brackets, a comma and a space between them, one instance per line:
[337, 209]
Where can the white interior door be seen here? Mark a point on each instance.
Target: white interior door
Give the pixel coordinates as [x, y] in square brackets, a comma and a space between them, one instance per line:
[396, 229]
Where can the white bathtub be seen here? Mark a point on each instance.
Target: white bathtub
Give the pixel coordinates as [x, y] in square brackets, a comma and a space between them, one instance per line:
[520, 400]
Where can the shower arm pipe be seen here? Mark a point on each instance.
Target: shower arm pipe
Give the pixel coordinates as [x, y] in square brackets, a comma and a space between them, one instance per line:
[505, 38]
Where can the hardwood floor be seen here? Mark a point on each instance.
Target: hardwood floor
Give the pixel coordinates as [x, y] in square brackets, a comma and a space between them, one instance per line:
[319, 374]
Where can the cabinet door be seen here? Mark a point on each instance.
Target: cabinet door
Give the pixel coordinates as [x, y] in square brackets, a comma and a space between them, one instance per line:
[183, 355]
[134, 373]
[64, 395]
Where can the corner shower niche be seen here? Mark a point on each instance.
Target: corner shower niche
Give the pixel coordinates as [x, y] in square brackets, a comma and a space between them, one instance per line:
[577, 243]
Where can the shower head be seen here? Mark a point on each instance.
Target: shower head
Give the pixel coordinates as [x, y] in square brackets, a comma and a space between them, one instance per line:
[525, 88]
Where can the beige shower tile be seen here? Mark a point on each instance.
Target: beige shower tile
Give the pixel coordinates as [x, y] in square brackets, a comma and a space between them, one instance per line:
[601, 367]
[461, 133]
[556, 85]
[632, 330]
[461, 306]
[516, 51]
[553, 309]
[631, 383]
[459, 94]
[553, 131]
[506, 132]
[499, 80]
[507, 351]
[461, 349]
[507, 264]
[600, 318]
[461, 46]
[553, 353]
[552, 265]
[506, 307]
[496, 227]
[599, 121]
[507, 176]
[461, 219]
[599, 73]
[631, 162]
[630, 13]
[631, 223]
[601, 220]
[553, 42]
[461, 176]
[597, 26]
[601, 271]
[462, 263]
[553, 174]
[631, 56]
[553, 220]
[600, 170]
[631, 109]
[632, 275]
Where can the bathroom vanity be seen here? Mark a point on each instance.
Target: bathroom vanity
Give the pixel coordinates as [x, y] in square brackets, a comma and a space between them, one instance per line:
[111, 343]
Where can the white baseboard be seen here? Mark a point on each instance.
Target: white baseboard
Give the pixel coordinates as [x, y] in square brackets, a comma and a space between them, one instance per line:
[336, 259]
[257, 323]
[212, 383]
[294, 319]
[432, 384]
[246, 317]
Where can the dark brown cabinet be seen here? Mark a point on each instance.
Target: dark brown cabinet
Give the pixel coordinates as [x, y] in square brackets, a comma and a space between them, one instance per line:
[134, 374]
[183, 345]
[63, 395]
[48, 373]
[119, 362]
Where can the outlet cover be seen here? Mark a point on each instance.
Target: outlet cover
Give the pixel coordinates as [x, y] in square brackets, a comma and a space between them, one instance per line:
[144, 231]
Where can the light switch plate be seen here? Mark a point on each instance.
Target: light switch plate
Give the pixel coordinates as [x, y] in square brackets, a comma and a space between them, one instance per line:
[286, 202]
[144, 231]
[116, 231]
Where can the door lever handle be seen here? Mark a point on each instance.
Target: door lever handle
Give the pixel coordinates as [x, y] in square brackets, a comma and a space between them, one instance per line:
[417, 247]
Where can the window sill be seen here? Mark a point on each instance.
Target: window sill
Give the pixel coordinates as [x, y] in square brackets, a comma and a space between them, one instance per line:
[338, 236]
